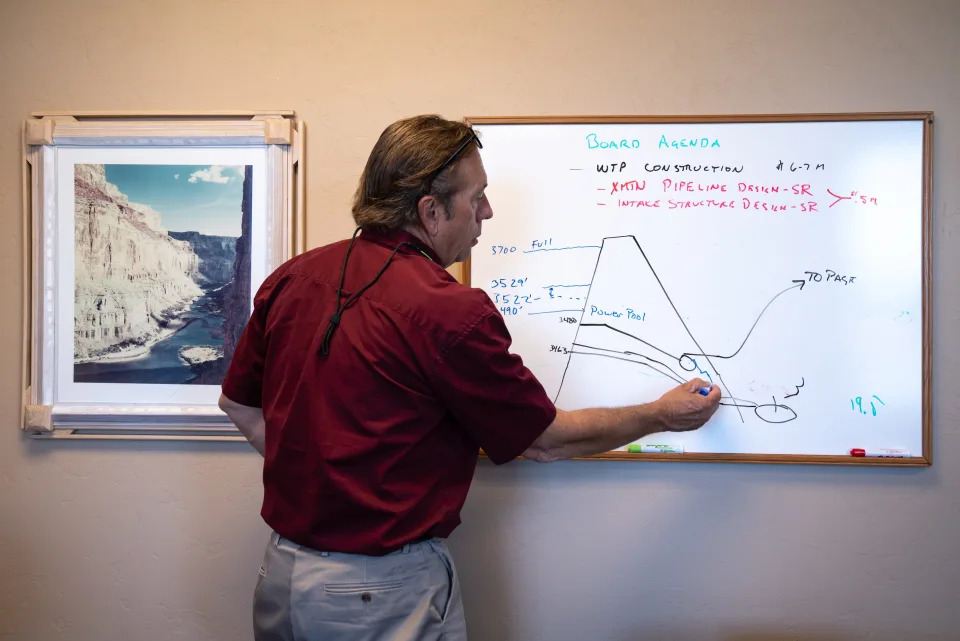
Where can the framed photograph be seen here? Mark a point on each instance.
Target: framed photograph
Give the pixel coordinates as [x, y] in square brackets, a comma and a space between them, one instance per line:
[146, 237]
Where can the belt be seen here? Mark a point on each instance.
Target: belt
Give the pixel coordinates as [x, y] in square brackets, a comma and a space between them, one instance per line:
[282, 541]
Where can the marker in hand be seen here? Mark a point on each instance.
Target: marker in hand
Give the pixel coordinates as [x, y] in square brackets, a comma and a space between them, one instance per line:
[705, 391]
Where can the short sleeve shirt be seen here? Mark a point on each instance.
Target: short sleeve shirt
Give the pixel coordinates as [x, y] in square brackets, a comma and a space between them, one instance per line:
[374, 444]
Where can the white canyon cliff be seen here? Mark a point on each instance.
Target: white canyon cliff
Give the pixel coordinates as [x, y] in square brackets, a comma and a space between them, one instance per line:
[130, 275]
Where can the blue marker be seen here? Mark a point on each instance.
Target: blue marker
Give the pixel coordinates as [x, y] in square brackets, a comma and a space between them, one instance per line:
[705, 391]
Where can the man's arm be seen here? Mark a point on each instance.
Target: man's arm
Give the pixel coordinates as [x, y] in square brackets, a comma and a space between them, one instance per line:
[249, 420]
[596, 430]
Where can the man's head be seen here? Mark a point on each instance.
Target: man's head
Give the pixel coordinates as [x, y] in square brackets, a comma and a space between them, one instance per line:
[425, 175]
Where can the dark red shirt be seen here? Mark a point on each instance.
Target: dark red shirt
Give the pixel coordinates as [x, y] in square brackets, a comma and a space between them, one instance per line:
[374, 445]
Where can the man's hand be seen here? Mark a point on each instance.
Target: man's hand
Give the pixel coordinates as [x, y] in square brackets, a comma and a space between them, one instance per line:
[683, 408]
[590, 431]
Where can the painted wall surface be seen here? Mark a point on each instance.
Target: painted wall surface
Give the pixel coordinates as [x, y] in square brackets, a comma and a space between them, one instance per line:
[103, 541]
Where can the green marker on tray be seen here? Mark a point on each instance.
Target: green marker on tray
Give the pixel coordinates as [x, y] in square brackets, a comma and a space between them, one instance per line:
[654, 449]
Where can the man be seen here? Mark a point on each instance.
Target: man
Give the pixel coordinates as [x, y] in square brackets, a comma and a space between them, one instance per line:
[369, 379]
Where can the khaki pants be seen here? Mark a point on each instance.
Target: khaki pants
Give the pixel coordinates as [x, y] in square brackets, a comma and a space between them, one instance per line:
[307, 595]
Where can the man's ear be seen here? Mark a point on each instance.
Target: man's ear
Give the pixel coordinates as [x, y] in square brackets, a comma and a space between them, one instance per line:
[430, 211]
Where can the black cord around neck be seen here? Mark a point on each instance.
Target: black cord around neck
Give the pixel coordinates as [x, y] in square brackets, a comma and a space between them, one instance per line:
[341, 307]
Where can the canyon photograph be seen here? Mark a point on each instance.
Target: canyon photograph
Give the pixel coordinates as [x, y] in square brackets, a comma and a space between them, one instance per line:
[161, 271]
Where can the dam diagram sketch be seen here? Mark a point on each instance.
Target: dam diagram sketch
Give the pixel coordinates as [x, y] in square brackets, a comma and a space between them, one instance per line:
[662, 343]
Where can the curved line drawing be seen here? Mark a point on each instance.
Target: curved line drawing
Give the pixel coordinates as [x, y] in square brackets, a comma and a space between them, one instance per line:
[772, 412]
[750, 331]
[802, 383]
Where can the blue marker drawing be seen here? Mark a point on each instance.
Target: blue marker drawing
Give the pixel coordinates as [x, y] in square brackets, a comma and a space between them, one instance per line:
[550, 289]
[552, 286]
[556, 311]
[702, 371]
[560, 249]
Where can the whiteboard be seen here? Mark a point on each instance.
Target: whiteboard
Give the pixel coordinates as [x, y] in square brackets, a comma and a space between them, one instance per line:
[785, 259]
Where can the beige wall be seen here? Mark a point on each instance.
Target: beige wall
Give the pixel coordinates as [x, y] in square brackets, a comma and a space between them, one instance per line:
[116, 541]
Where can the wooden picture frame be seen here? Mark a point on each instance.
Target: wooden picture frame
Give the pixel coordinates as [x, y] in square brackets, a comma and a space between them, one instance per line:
[145, 237]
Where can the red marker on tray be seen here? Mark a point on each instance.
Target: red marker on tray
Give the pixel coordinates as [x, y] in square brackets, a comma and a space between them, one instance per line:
[880, 453]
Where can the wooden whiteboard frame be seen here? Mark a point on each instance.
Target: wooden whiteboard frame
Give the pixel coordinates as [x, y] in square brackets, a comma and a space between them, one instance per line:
[278, 132]
[926, 117]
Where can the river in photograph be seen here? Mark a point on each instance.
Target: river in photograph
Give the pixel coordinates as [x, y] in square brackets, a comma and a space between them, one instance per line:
[162, 364]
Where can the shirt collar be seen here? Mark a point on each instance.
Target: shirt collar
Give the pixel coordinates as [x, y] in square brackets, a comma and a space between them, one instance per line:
[391, 239]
